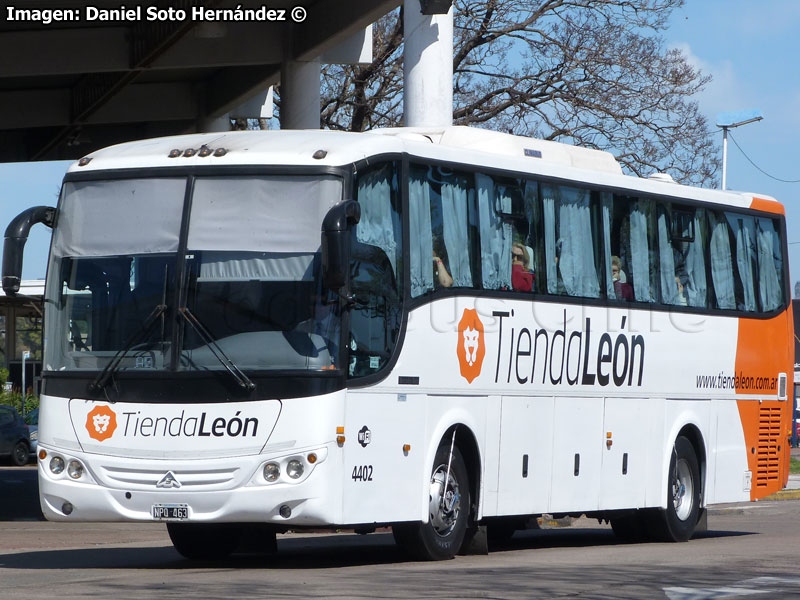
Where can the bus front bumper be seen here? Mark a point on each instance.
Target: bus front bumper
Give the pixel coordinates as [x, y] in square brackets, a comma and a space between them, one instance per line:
[221, 490]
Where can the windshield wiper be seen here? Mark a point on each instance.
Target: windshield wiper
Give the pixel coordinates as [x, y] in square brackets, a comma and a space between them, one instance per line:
[242, 379]
[102, 379]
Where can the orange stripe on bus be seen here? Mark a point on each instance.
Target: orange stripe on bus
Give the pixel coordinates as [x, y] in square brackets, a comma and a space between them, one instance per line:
[762, 352]
[770, 206]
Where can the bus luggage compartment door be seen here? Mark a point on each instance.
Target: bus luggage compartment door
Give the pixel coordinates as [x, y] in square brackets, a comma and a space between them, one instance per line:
[525, 465]
[382, 478]
[625, 428]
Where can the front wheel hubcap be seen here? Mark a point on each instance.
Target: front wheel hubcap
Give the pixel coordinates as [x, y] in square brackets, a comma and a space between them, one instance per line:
[445, 501]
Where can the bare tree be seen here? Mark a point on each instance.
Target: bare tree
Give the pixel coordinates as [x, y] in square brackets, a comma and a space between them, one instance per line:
[595, 73]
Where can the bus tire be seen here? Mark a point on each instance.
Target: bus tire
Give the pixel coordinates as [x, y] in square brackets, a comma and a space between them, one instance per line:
[678, 521]
[204, 541]
[448, 512]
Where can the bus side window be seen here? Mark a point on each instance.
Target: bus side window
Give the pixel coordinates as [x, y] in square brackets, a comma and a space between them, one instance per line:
[671, 265]
[746, 263]
[442, 236]
[688, 238]
[496, 234]
[377, 246]
[643, 258]
[770, 264]
[571, 249]
[721, 262]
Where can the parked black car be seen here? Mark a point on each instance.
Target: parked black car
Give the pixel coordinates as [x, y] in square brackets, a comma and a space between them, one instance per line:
[14, 436]
[32, 421]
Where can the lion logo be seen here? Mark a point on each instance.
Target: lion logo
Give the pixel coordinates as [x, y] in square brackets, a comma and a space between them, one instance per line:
[471, 347]
[101, 422]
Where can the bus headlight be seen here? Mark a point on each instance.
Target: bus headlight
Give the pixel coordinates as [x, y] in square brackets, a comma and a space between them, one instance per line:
[294, 469]
[56, 465]
[75, 469]
[272, 471]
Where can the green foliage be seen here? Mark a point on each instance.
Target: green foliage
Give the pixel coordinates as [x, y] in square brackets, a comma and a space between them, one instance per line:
[14, 397]
[794, 466]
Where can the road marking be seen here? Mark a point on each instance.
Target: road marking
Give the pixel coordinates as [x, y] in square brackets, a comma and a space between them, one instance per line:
[683, 593]
[747, 587]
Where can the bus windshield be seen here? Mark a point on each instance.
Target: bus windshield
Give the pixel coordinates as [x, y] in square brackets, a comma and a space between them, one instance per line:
[250, 289]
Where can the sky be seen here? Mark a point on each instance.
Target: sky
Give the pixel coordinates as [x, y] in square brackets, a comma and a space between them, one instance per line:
[749, 48]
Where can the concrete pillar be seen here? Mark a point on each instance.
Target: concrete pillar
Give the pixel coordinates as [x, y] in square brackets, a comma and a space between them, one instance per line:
[214, 124]
[300, 97]
[427, 68]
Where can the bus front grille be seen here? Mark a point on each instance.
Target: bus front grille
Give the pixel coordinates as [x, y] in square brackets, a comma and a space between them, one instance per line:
[220, 478]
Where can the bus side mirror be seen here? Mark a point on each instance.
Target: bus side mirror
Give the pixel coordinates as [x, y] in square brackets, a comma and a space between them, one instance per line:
[336, 243]
[14, 244]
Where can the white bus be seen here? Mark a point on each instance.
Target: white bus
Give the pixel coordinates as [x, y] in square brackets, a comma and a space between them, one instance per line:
[436, 330]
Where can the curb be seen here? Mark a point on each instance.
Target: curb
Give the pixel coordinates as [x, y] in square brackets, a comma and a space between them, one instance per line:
[784, 495]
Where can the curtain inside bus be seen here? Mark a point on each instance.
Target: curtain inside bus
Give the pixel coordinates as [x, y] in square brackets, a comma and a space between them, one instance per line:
[696, 285]
[721, 262]
[569, 242]
[127, 216]
[421, 248]
[640, 251]
[496, 235]
[770, 265]
[455, 204]
[666, 259]
[744, 227]
[377, 225]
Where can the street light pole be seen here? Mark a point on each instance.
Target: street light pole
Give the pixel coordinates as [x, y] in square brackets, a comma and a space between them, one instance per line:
[728, 121]
[724, 156]
[25, 355]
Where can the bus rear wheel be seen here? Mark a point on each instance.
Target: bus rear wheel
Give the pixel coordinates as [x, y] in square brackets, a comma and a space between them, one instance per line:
[205, 541]
[677, 523]
[448, 511]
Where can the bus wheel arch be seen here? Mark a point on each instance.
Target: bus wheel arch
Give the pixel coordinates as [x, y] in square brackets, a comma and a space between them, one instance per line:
[451, 500]
[695, 437]
[468, 446]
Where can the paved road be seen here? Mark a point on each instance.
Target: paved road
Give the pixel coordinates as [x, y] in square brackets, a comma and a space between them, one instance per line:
[750, 550]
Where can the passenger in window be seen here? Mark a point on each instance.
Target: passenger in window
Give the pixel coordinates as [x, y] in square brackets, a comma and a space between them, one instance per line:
[521, 276]
[441, 276]
[622, 289]
[682, 299]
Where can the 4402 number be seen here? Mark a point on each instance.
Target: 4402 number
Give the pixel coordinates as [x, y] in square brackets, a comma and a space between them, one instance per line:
[362, 473]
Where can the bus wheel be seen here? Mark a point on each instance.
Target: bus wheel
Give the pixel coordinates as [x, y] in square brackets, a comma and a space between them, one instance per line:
[204, 541]
[448, 511]
[677, 523]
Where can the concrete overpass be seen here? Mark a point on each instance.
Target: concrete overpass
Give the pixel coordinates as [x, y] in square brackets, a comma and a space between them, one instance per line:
[74, 85]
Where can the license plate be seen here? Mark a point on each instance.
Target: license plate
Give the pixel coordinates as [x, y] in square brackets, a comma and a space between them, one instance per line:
[170, 512]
